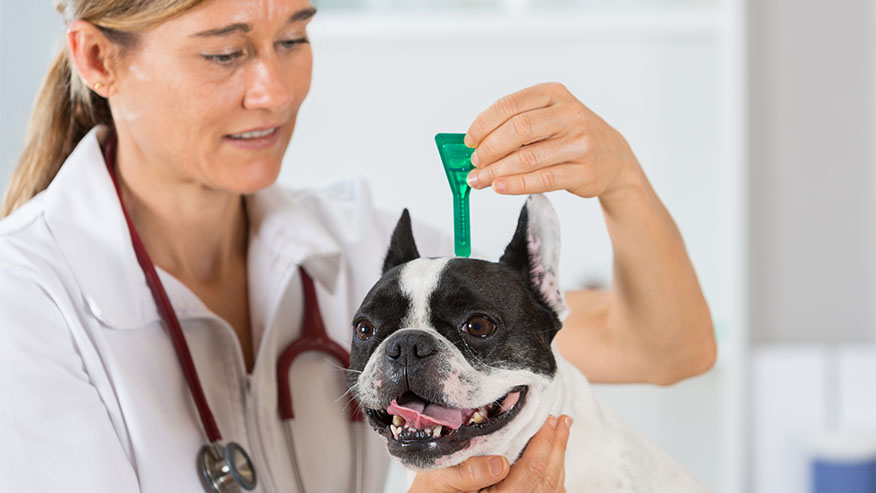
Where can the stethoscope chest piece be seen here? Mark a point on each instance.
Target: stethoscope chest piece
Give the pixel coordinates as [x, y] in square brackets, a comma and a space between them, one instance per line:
[226, 470]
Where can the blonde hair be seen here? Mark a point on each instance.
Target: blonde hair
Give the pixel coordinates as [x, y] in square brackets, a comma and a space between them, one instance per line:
[65, 109]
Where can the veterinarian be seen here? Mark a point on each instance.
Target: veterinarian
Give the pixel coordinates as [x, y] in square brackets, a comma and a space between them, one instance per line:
[199, 98]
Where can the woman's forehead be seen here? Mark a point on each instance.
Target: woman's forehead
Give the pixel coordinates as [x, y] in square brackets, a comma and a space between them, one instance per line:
[224, 17]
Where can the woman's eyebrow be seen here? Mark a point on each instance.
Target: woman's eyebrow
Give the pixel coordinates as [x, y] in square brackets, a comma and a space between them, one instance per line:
[299, 16]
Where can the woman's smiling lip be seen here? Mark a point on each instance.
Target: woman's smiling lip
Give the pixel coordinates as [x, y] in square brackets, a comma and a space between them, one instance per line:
[255, 142]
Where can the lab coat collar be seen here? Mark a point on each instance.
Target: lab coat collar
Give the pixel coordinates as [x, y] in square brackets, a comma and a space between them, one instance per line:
[84, 216]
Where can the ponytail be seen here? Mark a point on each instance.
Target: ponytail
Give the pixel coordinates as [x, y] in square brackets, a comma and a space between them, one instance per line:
[64, 111]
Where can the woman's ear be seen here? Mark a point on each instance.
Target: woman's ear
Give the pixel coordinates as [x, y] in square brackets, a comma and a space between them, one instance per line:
[93, 55]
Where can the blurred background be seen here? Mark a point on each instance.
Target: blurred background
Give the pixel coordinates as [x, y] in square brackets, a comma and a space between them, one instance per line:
[755, 122]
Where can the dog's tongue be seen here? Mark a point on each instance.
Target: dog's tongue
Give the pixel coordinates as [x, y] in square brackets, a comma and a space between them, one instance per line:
[420, 414]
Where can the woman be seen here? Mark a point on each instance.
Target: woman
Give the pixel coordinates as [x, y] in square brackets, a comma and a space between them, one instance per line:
[190, 105]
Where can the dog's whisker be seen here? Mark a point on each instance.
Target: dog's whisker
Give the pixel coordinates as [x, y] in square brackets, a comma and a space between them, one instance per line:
[339, 367]
[349, 391]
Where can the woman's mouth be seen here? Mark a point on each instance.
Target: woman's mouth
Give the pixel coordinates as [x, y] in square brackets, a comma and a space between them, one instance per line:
[254, 139]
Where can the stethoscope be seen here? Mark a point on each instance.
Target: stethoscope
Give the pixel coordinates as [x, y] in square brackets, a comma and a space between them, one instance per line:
[228, 468]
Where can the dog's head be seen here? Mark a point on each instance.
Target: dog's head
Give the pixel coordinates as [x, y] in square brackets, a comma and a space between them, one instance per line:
[450, 355]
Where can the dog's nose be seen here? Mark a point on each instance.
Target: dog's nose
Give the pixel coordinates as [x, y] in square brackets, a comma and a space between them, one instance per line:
[410, 346]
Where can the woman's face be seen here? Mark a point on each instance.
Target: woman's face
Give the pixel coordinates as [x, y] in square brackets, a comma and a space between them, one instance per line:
[212, 95]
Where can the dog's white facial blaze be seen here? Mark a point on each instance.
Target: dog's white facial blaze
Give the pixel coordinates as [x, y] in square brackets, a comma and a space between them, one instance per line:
[417, 281]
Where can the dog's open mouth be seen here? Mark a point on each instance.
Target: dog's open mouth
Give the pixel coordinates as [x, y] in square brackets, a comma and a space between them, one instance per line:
[411, 419]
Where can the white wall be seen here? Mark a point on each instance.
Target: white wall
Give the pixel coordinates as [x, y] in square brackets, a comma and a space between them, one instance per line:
[812, 208]
[30, 31]
[813, 170]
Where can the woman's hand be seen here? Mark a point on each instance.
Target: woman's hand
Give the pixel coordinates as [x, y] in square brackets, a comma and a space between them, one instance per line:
[653, 325]
[541, 139]
[540, 469]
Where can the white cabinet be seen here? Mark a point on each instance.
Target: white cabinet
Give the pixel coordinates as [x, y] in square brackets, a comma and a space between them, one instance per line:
[668, 76]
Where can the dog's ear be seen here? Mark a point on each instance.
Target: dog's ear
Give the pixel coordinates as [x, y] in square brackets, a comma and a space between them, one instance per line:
[402, 247]
[535, 252]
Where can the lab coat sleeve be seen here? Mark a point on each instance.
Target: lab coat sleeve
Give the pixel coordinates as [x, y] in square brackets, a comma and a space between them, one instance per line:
[55, 432]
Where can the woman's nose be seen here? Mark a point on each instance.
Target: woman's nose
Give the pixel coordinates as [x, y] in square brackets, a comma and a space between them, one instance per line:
[267, 88]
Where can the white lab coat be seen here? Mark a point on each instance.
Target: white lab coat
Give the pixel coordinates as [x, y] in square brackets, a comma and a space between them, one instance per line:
[92, 396]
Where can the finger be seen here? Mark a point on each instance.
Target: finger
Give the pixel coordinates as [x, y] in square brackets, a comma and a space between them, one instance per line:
[521, 129]
[556, 177]
[525, 160]
[470, 475]
[529, 471]
[537, 96]
[555, 472]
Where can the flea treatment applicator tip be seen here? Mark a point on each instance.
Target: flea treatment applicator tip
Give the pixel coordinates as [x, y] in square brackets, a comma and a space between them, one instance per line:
[456, 158]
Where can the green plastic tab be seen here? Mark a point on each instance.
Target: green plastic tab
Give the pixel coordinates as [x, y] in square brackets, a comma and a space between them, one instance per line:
[456, 158]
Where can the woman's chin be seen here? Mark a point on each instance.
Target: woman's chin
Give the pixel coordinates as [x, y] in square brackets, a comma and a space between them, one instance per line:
[250, 177]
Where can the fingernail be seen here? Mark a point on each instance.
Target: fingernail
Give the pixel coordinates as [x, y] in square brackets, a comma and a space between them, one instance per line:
[500, 186]
[553, 421]
[468, 140]
[472, 179]
[474, 159]
[568, 421]
[497, 466]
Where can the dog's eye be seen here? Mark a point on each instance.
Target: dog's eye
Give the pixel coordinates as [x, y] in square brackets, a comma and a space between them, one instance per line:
[479, 327]
[364, 330]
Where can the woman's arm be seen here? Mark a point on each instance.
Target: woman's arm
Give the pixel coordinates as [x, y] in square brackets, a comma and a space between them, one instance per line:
[653, 325]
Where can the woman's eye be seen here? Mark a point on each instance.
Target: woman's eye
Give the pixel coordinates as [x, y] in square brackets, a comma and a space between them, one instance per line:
[364, 330]
[223, 58]
[291, 43]
[479, 327]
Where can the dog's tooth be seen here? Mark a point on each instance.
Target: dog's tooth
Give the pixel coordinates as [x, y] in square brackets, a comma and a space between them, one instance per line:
[477, 417]
[436, 431]
[395, 431]
[428, 431]
[398, 420]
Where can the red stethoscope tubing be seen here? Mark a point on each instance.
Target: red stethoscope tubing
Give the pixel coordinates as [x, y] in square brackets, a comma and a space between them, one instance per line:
[313, 334]
[164, 306]
[313, 338]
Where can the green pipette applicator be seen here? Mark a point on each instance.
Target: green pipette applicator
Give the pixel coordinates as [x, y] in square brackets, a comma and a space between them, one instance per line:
[456, 158]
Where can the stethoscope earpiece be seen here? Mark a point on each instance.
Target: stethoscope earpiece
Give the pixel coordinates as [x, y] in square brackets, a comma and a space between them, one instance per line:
[226, 470]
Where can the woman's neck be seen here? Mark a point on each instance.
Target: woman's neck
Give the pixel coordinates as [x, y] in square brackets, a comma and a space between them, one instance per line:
[193, 232]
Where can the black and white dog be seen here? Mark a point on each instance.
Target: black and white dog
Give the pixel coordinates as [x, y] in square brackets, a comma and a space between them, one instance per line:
[453, 358]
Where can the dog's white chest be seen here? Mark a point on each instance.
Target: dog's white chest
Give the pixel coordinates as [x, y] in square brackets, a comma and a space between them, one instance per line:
[603, 453]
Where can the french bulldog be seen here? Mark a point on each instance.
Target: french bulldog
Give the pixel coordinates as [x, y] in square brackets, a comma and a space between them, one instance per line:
[453, 358]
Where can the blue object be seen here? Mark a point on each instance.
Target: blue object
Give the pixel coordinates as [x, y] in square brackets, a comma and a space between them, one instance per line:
[844, 477]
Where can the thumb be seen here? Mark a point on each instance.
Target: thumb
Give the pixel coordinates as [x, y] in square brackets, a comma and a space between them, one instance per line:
[469, 475]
